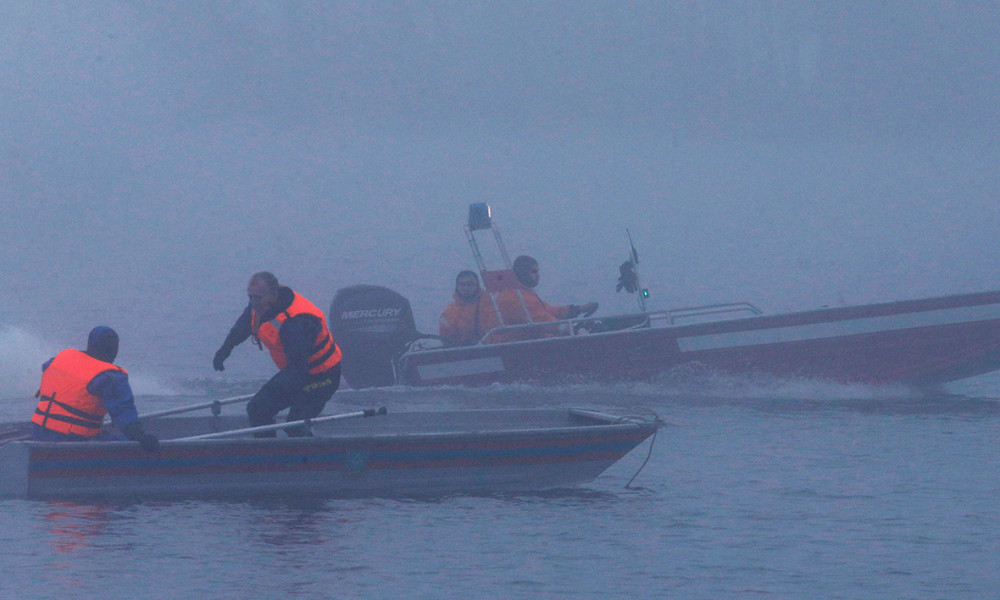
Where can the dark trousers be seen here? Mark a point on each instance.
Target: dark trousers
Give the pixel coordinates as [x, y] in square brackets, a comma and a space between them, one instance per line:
[305, 400]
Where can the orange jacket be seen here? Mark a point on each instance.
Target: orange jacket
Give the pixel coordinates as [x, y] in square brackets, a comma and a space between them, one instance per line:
[65, 405]
[325, 352]
[513, 313]
[461, 323]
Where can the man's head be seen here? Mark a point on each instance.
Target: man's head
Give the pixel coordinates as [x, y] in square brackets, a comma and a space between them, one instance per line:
[262, 291]
[526, 270]
[467, 285]
[102, 343]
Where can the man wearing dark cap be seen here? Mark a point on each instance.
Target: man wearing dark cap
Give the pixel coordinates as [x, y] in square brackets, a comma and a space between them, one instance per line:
[79, 388]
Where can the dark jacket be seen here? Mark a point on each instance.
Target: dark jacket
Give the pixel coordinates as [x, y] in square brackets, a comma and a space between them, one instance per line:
[298, 334]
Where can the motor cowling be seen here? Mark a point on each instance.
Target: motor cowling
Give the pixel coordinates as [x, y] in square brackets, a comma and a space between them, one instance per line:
[372, 325]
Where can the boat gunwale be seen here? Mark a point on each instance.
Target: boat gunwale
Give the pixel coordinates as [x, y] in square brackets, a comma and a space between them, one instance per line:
[758, 321]
[604, 423]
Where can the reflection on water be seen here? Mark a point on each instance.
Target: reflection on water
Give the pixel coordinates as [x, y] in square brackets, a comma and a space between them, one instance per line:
[740, 494]
[742, 483]
[296, 528]
[74, 526]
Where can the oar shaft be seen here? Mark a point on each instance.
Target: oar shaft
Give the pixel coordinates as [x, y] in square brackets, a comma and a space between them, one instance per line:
[368, 412]
[184, 409]
[212, 404]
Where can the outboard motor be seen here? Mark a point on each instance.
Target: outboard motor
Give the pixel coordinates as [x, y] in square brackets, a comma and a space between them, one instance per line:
[372, 326]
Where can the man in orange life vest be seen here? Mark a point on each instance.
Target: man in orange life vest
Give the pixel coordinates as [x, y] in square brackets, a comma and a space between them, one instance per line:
[296, 334]
[513, 303]
[459, 324]
[79, 388]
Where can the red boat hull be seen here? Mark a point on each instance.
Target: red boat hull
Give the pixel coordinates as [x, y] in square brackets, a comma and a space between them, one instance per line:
[919, 342]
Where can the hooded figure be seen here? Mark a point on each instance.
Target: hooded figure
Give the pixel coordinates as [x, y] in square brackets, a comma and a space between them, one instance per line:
[102, 343]
[526, 270]
[79, 388]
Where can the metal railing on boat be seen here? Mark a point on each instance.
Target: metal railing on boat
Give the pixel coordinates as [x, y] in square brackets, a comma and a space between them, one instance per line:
[660, 318]
[735, 309]
[609, 324]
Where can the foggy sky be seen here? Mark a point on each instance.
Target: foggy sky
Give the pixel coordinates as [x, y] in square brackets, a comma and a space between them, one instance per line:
[700, 67]
[788, 153]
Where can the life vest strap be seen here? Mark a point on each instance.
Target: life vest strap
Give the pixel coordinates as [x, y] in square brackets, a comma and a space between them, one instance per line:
[323, 357]
[75, 416]
[70, 420]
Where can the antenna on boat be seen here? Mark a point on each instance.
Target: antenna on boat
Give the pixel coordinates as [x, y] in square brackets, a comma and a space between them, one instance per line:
[628, 278]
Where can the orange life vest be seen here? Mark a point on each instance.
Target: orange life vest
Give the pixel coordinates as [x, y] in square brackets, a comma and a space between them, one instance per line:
[325, 352]
[520, 304]
[64, 403]
[459, 324]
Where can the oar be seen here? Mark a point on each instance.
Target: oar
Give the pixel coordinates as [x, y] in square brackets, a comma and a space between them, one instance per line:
[14, 435]
[215, 405]
[368, 412]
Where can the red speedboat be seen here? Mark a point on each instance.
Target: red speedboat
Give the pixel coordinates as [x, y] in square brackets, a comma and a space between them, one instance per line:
[917, 342]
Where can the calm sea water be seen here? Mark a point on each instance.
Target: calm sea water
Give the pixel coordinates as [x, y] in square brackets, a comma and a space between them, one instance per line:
[756, 489]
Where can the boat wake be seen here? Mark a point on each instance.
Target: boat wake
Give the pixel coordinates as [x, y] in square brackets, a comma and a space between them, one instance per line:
[697, 380]
[21, 356]
[688, 386]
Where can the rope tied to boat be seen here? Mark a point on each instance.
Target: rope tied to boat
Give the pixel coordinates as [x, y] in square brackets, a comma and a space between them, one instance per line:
[649, 454]
[650, 416]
